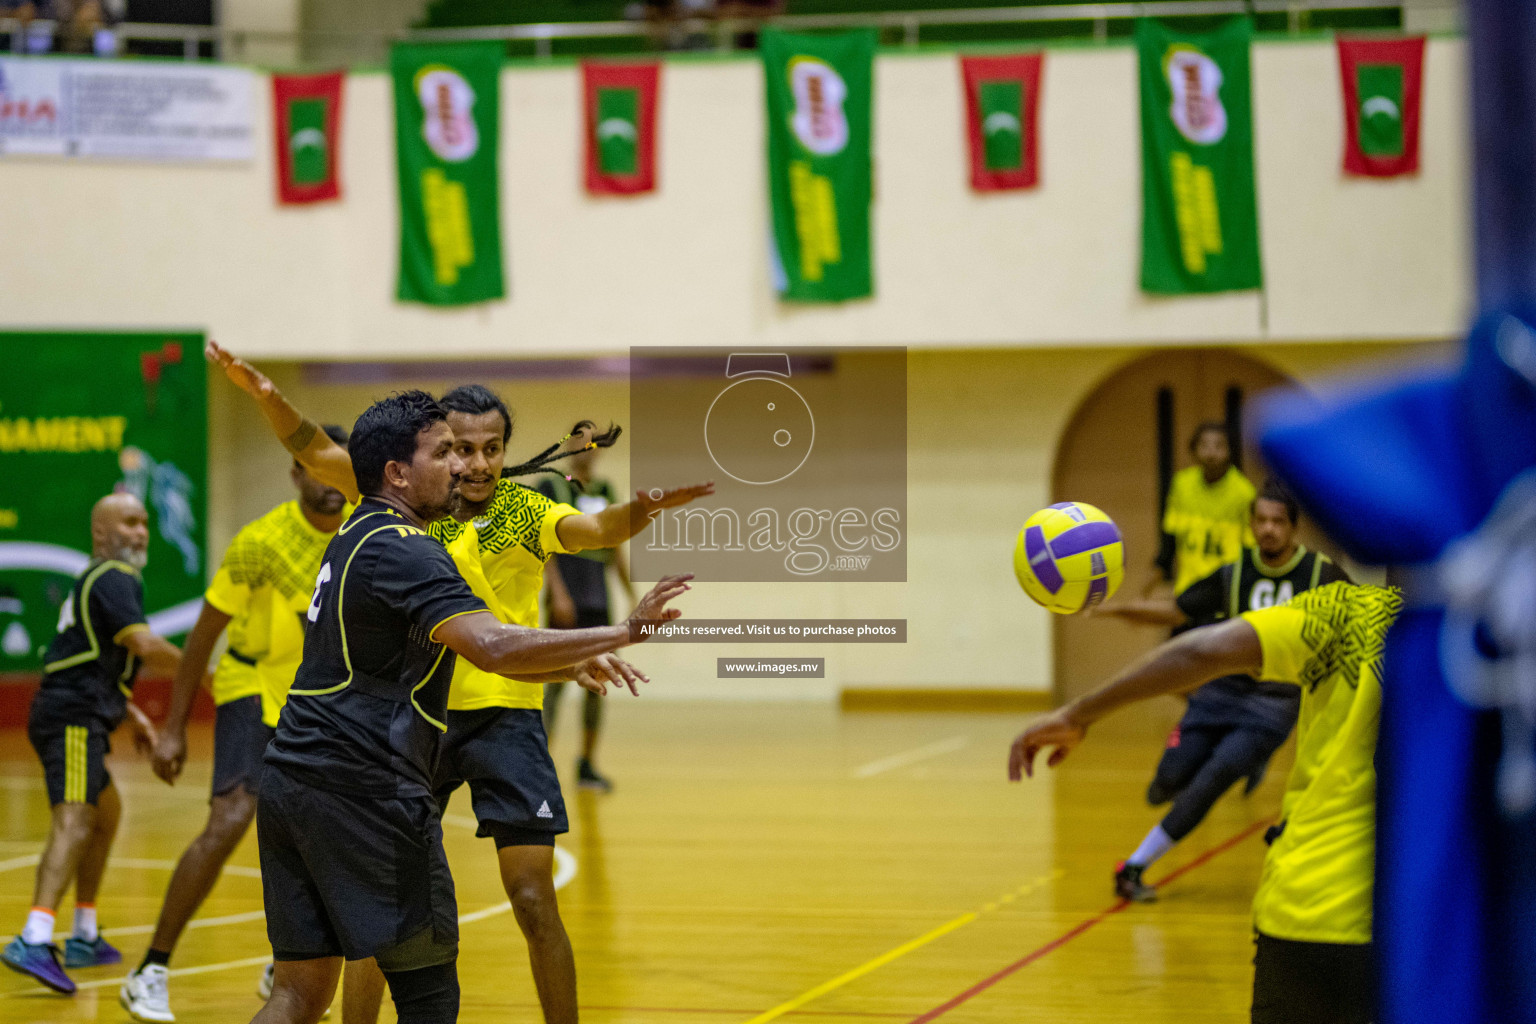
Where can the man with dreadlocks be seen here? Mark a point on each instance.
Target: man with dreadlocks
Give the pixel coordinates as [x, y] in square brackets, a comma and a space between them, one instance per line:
[500, 535]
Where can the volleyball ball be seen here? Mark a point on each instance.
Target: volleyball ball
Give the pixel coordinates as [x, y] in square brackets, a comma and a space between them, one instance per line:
[1069, 557]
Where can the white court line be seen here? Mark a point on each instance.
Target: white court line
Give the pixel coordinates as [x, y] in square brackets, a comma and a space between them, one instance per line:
[201, 922]
[885, 764]
[565, 870]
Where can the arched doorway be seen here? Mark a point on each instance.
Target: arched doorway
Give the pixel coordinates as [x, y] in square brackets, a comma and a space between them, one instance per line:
[1120, 444]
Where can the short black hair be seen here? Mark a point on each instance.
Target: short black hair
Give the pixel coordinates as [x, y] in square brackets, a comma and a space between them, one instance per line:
[1274, 489]
[387, 432]
[336, 432]
[1209, 427]
[477, 400]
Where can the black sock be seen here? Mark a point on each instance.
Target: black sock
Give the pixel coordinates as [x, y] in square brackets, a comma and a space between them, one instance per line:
[154, 956]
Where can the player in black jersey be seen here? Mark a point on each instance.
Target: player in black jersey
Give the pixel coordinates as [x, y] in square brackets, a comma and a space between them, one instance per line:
[88, 676]
[351, 848]
[1233, 725]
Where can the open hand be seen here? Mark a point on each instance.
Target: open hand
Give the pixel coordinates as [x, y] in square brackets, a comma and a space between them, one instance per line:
[596, 673]
[652, 608]
[1058, 729]
[240, 373]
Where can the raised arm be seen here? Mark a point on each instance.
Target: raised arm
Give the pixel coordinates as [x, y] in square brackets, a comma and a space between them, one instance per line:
[617, 523]
[326, 460]
[157, 654]
[170, 752]
[1182, 664]
[522, 652]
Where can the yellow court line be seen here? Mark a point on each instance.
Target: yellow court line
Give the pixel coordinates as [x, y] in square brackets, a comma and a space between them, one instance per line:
[902, 950]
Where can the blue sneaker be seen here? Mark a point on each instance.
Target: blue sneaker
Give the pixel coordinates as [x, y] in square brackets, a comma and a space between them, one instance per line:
[97, 952]
[40, 961]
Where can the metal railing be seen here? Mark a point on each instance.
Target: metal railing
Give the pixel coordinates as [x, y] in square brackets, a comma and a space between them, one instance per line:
[235, 43]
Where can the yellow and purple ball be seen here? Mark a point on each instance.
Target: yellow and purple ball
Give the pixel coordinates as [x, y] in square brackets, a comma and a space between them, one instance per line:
[1069, 557]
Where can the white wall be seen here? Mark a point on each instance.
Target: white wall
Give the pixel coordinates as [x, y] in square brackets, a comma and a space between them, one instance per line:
[127, 244]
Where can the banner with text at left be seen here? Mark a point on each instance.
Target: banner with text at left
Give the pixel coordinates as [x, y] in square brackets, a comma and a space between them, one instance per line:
[447, 118]
[81, 416]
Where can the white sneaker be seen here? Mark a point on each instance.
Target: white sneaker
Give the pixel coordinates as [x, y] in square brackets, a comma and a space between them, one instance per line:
[264, 986]
[146, 997]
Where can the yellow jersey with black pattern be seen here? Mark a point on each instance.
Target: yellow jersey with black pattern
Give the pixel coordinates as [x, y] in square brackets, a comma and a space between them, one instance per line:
[88, 674]
[367, 708]
[1318, 876]
[501, 554]
[264, 584]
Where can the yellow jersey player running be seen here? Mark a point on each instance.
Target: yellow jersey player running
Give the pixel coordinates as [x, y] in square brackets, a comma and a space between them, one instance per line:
[1312, 912]
[259, 595]
[500, 535]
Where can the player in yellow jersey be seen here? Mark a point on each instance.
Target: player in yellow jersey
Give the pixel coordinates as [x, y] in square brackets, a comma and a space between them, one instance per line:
[1312, 912]
[1205, 520]
[259, 595]
[500, 536]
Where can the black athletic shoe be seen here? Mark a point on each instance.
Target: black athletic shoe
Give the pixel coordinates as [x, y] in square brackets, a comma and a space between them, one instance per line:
[588, 778]
[1129, 886]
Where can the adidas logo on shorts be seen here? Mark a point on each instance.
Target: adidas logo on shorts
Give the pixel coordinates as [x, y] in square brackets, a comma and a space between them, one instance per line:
[544, 811]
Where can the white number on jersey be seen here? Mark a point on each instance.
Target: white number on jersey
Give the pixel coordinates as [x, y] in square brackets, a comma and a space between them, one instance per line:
[67, 613]
[320, 581]
[1267, 595]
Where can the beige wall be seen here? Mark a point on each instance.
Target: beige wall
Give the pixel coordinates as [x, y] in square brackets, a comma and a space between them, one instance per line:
[133, 244]
[982, 434]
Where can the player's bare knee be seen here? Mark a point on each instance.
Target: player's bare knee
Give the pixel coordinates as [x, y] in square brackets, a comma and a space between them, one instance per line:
[230, 816]
[74, 823]
[533, 901]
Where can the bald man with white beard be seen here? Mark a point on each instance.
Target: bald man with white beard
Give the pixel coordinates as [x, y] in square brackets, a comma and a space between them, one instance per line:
[88, 675]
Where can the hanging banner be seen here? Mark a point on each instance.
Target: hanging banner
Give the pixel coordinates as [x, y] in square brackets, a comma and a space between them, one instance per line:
[447, 119]
[306, 127]
[1200, 226]
[819, 93]
[125, 110]
[1383, 82]
[81, 416]
[620, 105]
[1002, 104]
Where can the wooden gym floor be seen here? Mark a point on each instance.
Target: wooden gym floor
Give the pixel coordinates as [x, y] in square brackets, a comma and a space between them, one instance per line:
[757, 862]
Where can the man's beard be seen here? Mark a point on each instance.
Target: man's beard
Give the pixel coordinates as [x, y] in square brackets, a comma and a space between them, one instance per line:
[133, 556]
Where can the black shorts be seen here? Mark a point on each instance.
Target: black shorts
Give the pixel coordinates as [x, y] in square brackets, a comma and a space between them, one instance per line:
[1313, 982]
[240, 740]
[348, 875]
[74, 760]
[504, 756]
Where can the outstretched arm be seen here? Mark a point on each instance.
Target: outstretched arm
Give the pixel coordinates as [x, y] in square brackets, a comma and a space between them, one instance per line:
[521, 652]
[617, 523]
[1178, 666]
[326, 460]
[170, 752]
[1148, 611]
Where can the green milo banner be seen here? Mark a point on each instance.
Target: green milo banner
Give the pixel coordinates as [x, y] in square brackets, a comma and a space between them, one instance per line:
[1200, 226]
[82, 415]
[819, 91]
[446, 140]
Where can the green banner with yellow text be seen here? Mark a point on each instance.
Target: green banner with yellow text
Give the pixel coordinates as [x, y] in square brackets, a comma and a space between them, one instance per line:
[1200, 225]
[446, 140]
[819, 91]
[82, 415]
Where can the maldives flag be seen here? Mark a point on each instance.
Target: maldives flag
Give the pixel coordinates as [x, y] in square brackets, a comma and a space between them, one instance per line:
[1002, 103]
[620, 105]
[306, 121]
[1383, 80]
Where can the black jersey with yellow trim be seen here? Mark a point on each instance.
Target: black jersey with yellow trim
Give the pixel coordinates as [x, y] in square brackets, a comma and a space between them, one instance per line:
[88, 674]
[368, 704]
[1249, 585]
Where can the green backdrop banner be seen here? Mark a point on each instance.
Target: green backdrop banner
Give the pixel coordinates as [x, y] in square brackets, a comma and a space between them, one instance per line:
[819, 91]
[1200, 222]
[446, 124]
[82, 415]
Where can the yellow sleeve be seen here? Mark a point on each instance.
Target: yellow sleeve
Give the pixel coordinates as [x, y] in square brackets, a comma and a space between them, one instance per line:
[1280, 631]
[548, 514]
[465, 551]
[1171, 508]
[226, 595]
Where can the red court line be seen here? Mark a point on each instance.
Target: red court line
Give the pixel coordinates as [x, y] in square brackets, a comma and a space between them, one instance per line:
[1056, 943]
[723, 1012]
